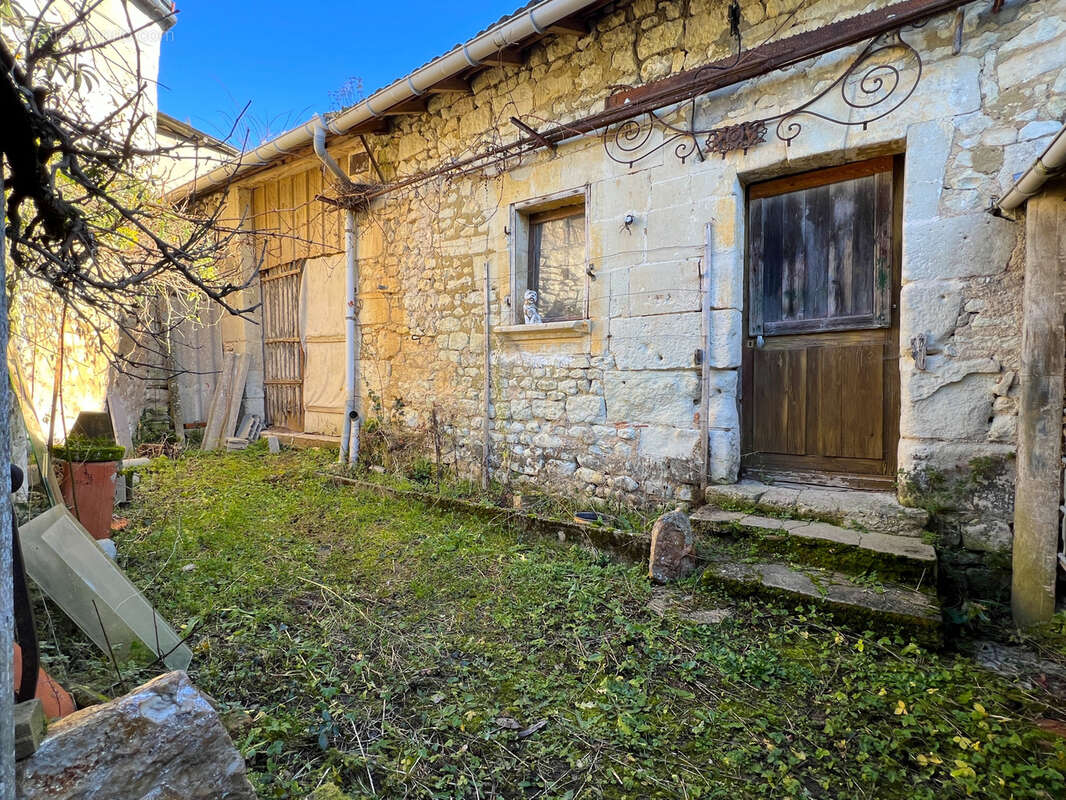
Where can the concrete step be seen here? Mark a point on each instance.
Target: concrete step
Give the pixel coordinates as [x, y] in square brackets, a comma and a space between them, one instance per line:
[850, 508]
[878, 606]
[890, 556]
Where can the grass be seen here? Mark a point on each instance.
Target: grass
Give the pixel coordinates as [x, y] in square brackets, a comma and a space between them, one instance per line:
[381, 648]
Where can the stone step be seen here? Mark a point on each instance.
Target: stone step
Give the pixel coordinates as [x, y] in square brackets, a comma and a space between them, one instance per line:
[851, 508]
[821, 544]
[878, 606]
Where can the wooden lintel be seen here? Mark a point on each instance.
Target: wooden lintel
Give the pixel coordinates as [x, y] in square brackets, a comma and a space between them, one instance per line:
[570, 26]
[416, 105]
[374, 125]
[450, 86]
[506, 55]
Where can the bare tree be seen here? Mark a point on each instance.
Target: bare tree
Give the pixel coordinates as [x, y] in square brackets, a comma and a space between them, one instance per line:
[83, 221]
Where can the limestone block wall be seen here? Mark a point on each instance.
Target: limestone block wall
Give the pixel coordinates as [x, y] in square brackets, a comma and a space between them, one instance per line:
[611, 408]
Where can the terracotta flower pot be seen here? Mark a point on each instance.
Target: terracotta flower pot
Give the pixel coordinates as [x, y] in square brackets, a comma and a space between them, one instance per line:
[89, 492]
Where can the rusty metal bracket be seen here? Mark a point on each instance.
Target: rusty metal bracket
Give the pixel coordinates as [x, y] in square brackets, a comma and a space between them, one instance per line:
[877, 82]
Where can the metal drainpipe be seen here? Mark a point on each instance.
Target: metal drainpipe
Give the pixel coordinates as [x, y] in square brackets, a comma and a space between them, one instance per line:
[349, 452]
[1051, 163]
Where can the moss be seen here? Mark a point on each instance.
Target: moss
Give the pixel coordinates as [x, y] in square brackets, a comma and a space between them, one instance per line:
[728, 503]
[82, 451]
[819, 553]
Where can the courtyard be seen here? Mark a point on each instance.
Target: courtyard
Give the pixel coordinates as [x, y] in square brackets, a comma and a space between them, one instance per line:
[364, 646]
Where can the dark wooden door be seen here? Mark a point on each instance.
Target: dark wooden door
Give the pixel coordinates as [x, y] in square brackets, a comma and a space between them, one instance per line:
[821, 371]
[282, 350]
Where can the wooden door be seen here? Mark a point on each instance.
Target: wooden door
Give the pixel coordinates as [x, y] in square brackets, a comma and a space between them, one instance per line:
[282, 351]
[821, 355]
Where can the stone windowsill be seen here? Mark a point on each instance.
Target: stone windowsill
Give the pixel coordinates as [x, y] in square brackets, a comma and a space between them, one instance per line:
[545, 330]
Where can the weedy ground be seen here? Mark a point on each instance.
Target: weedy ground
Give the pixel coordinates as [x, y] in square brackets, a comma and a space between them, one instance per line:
[383, 648]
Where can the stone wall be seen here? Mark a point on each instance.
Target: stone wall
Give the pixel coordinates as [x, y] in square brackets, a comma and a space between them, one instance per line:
[611, 408]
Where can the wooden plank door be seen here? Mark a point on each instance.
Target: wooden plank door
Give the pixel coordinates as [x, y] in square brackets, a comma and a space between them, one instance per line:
[282, 351]
[821, 355]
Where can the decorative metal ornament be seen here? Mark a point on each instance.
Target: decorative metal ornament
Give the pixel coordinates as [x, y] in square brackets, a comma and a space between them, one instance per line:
[736, 137]
[877, 82]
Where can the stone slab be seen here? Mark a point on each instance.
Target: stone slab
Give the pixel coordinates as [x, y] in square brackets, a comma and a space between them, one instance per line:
[878, 512]
[904, 548]
[888, 603]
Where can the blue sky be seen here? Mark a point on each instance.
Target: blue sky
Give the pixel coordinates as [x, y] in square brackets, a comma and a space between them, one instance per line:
[292, 60]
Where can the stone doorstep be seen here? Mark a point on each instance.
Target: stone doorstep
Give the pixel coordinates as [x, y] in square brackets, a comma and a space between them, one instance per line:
[879, 512]
[904, 549]
[895, 604]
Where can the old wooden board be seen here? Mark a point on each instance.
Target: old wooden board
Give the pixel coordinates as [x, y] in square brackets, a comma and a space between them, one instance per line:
[820, 360]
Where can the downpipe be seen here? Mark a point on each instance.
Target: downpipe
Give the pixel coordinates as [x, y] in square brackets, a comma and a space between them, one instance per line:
[349, 450]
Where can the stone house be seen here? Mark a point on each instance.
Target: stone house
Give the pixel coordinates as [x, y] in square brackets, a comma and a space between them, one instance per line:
[758, 237]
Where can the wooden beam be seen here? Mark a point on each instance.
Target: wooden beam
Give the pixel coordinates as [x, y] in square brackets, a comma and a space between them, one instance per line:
[374, 125]
[570, 26]
[1038, 486]
[506, 55]
[416, 105]
[450, 86]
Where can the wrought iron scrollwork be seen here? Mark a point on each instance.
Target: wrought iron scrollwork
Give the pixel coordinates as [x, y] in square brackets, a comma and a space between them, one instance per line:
[876, 83]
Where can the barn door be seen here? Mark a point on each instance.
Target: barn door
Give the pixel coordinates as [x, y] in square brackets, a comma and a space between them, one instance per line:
[821, 372]
[282, 351]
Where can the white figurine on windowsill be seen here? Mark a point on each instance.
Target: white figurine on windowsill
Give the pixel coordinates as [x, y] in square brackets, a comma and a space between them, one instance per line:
[530, 308]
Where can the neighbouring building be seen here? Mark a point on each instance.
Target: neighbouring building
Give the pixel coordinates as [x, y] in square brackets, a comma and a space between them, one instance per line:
[689, 242]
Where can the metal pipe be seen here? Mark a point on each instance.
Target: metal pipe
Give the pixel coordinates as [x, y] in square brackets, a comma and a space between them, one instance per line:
[705, 364]
[478, 50]
[1051, 162]
[349, 450]
[486, 432]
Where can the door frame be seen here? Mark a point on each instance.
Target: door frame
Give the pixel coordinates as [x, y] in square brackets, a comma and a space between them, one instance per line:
[776, 468]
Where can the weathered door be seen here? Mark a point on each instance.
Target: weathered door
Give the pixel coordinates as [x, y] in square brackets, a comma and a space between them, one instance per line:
[821, 372]
[282, 352]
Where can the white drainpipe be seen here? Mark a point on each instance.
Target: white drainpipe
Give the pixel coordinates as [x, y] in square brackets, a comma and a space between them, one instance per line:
[350, 435]
[1049, 164]
[479, 50]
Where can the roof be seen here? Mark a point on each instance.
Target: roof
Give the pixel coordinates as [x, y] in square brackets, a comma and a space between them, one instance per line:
[514, 31]
[161, 11]
[183, 130]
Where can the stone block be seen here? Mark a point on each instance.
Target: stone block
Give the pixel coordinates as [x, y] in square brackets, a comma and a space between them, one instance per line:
[547, 409]
[586, 475]
[652, 398]
[929, 307]
[954, 411]
[664, 288]
[957, 247]
[161, 740]
[725, 455]
[673, 548]
[727, 279]
[952, 83]
[928, 147]
[658, 442]
[667, 341]
[987, 536]
[1024, 67]
[586, 408]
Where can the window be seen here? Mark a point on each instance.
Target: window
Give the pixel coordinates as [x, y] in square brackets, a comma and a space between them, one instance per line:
[550, 257]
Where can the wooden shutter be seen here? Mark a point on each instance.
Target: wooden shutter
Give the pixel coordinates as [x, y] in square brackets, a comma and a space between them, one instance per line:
[821, 251]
